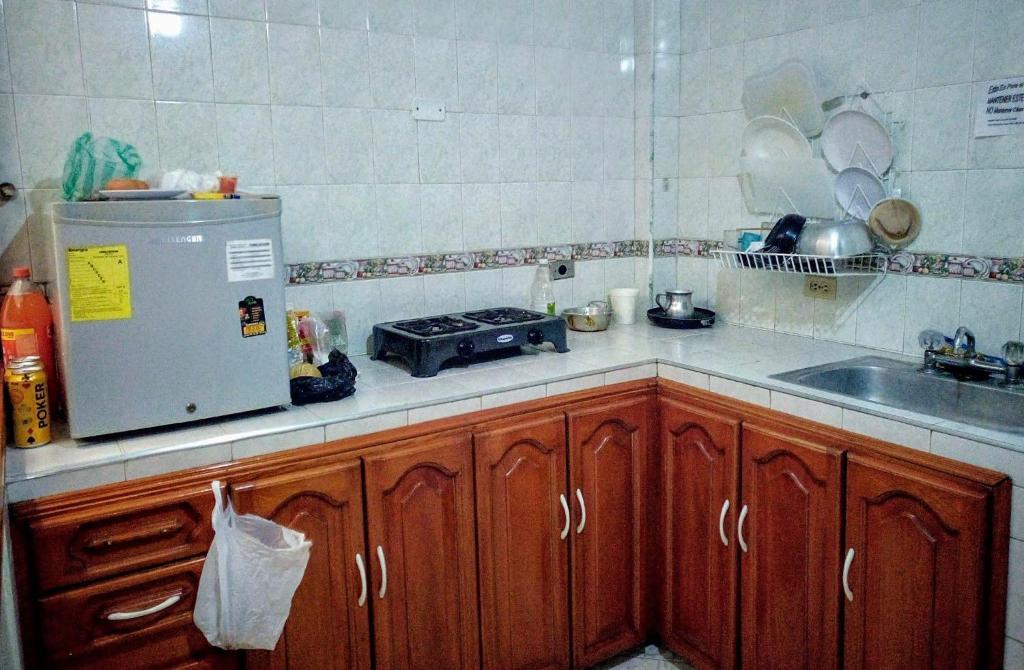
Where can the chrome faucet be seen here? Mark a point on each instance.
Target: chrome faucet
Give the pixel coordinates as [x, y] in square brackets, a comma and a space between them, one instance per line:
[960, 356]
[963, 343]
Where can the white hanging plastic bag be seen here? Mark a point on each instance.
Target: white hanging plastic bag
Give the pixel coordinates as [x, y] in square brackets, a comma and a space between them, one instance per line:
[251, 572]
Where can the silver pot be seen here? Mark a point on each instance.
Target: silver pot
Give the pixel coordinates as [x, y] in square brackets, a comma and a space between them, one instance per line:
[834, 238]
[595, 316]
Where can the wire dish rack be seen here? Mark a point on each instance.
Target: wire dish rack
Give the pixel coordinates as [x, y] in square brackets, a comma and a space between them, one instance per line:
[834, 266]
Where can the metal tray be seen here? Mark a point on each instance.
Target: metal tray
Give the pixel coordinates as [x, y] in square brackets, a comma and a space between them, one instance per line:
[702, 318]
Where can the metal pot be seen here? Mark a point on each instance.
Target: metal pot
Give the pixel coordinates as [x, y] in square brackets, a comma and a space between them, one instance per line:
[834, 238]
[678, 303]
[595, 316]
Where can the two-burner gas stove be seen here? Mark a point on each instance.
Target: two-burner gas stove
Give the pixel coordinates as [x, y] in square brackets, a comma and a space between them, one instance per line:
[426, 344]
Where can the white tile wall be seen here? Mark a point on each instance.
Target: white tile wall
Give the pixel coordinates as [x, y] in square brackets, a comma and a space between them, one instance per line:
[295, 95]
[927, 60]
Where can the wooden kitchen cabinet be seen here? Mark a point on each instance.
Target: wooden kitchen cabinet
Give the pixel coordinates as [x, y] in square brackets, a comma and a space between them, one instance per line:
[916, 568]
[652, 540]
[329, 624]
[422, 541]
[789, 532]
[699, 495]
[610, 481]
[523, 536]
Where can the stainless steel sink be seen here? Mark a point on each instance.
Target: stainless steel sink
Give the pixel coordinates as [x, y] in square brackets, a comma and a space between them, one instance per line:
[988, 404]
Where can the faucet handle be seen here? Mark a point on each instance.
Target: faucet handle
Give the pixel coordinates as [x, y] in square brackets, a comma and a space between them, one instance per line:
[931, 340]
[1013, 353]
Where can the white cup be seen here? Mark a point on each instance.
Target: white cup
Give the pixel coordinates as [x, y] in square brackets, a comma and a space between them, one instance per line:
[624, 304]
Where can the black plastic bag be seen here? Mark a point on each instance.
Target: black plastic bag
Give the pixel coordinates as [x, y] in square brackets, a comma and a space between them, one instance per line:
[338, 381]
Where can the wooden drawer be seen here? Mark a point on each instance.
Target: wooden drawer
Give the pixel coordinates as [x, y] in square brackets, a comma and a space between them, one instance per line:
[118, 538]
[110, 616]
[178, 650]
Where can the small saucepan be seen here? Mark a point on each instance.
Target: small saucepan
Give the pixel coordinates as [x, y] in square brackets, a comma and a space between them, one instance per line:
[594, 317]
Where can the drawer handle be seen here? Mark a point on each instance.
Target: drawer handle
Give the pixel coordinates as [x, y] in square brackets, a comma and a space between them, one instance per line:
[135, 535]
[583, 512]
[159, 607]
[362, 580]
[739, 529]
[846, 574]
[721, 522]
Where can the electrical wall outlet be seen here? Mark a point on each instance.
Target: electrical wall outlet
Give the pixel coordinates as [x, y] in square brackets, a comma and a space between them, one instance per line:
[562, 269]
[823, 288]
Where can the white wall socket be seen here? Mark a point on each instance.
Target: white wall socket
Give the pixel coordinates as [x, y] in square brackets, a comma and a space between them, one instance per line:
[823, 288]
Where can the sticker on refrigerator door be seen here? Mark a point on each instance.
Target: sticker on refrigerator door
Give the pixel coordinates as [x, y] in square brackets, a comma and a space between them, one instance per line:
[99, 283]
[250, 313]
[250, 260]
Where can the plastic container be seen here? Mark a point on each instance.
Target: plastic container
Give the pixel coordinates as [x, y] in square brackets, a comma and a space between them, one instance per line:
[26, 326]
[624, 304]
[542, 296]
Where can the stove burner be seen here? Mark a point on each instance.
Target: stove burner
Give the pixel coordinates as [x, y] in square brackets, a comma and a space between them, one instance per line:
[503, 316]
[437, 325]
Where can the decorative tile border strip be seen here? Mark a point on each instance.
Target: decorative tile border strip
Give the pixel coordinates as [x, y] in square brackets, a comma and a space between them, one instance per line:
[673, 247]
[904, 262]
[487, 259]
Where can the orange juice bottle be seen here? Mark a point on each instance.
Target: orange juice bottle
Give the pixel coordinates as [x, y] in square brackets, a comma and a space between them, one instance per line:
[26, 325]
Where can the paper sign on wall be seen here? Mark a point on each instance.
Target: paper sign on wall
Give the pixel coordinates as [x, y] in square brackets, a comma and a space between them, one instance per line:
[1000, 108]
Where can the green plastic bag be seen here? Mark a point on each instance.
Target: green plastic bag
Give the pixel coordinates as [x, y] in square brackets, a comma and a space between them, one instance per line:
[92, 162]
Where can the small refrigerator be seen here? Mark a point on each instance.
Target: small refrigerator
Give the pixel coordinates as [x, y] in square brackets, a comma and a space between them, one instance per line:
[168, 311]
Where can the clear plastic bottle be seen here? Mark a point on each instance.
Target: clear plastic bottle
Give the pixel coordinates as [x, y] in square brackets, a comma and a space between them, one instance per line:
[26, 326]
[542, 296]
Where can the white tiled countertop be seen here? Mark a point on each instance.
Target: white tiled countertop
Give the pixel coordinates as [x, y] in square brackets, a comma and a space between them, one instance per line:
[729, 360]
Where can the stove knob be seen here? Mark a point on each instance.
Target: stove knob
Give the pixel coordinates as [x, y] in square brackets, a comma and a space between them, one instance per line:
[535, 337]
[465, 349]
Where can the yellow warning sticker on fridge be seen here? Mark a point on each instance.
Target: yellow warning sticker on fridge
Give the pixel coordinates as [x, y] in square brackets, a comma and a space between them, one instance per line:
[100, 284]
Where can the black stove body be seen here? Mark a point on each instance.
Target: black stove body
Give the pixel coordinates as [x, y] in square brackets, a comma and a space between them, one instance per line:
[426, 344]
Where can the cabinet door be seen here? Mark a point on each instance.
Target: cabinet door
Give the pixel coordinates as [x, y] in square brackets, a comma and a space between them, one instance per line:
[328, 626]
[916, 568]
[523, 539]
[419, 503]
[792, 495]
[700, 451]
[609, 484]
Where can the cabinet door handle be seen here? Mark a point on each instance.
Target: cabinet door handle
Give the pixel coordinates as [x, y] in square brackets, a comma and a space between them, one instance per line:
[846, 574]
[739, 529]
[583, 512]
[383, 572]
[721, 522]
[159, 607]
[565, 509]
[362, 580]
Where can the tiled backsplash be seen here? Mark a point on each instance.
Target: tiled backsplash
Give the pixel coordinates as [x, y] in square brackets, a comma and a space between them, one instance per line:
[374, 300]
[313, 100]
[925, 61]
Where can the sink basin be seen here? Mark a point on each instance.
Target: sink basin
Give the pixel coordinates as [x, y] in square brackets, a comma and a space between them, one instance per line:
[987, 404]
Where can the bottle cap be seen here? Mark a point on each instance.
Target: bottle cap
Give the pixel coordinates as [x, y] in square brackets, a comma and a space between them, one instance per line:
[543, 261]
[21, 272]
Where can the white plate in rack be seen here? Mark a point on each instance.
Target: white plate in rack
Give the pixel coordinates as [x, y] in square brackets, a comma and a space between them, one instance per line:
[857, 191]
[853, 138]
